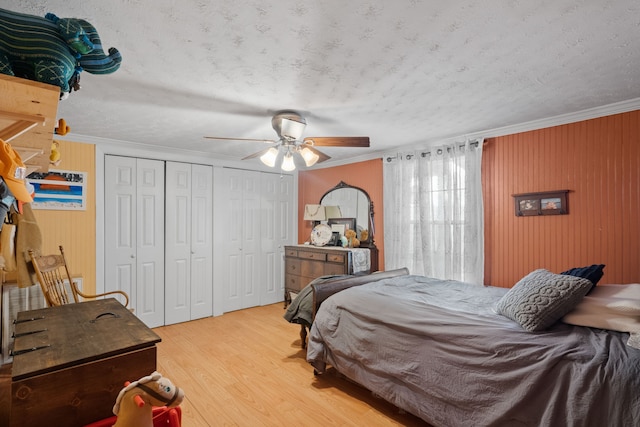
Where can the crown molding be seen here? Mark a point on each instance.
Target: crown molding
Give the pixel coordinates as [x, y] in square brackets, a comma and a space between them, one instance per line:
[117, 147]
[563, 119]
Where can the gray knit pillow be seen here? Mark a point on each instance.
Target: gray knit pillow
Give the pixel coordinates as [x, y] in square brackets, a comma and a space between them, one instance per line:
[541, 298]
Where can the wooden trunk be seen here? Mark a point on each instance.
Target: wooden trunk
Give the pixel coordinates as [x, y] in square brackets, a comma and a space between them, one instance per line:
[76, 359]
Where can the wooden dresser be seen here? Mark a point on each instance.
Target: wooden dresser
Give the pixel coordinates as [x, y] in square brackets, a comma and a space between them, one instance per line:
[303, 263]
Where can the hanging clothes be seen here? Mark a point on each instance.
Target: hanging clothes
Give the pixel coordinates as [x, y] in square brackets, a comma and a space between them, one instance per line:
[8, 244]
[28, 236]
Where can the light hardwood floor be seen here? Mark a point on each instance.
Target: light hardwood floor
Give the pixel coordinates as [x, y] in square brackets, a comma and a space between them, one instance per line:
[246, 368]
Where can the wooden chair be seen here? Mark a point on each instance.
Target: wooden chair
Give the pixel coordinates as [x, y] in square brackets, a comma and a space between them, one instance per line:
[53, 275]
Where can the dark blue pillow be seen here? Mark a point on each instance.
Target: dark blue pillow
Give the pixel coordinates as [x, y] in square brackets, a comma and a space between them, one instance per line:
[593, 273]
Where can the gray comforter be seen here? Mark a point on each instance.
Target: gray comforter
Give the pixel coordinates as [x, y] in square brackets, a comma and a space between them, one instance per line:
[301, 308]
[436, 349]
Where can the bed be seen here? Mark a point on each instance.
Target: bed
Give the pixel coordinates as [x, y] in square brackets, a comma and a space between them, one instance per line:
[441, 351]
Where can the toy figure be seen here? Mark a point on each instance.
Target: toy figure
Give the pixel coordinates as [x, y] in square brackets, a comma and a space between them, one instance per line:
[134, 404]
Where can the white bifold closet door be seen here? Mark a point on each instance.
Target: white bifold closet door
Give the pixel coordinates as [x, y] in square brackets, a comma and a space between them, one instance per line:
[188, 242]
[134, 234]
[253, 221]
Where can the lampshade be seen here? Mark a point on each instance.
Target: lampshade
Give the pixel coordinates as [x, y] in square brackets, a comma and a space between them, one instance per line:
[287, 162]
[314, 213]
[332, 212]
[310, 158]
[291, 129]
[269, 158]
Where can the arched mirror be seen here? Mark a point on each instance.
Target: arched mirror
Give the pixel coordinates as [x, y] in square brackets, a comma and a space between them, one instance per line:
[347, 201]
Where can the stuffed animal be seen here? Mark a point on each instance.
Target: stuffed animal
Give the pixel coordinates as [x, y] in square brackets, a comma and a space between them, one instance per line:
[62, 128]
[52, 50]
[54, 156]
[134, 404]
[353, 242]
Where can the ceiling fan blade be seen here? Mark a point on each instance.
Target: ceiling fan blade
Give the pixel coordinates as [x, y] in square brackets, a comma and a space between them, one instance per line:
[268, 141]
[338, 141]
[319, 153]
[258, 154]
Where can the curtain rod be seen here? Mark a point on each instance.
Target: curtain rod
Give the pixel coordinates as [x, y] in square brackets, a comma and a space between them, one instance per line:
[426, 153]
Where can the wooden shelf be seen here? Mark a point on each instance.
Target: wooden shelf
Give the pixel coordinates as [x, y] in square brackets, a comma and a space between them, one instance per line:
[21, 123]
[27, 119]
[27, 154]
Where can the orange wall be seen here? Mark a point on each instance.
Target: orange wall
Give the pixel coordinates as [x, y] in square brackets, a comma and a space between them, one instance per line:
[598, 160]
[367, 175]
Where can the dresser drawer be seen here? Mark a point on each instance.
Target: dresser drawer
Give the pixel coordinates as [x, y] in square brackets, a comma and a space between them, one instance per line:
[335, 258]
[295, 283]
[331, 269]
[320, 256]
[312, 268]
[292, 266]
[291, 253]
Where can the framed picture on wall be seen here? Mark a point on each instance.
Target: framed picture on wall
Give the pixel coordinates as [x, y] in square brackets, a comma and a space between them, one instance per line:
[59, 190]
[543, 203]
[529, 206]
[551, 204]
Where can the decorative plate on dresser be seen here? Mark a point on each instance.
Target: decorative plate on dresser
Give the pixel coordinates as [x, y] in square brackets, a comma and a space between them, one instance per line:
[320, 235]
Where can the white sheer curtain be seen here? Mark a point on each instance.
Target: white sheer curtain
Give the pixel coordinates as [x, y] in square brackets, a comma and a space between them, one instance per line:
[433, 213]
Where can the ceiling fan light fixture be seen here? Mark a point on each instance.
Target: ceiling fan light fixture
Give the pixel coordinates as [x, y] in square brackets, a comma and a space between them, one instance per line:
[310, 158]
[269, 158]
[287, 162]
[289, 126]
[291, 129]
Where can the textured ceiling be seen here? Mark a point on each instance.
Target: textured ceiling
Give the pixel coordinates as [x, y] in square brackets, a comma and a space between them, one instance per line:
[404, 73]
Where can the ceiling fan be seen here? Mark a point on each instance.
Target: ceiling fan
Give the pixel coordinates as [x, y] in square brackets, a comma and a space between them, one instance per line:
[289, 126]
